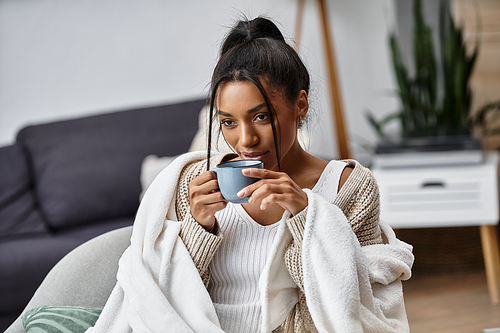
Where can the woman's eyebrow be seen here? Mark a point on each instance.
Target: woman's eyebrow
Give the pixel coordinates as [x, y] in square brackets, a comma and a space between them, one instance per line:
[252, 110]
[256, 108]
[222, 113]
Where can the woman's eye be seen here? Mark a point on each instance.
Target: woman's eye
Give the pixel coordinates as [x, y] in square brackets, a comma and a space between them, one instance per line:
[262, 117]
[227, 123]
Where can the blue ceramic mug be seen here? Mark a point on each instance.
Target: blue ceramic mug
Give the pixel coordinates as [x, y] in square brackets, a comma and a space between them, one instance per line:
[231, 179]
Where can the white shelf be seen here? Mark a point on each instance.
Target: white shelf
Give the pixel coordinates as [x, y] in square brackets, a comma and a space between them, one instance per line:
[440, 196]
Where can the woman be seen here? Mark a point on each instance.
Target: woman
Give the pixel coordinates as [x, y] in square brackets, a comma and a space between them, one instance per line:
[307, 253]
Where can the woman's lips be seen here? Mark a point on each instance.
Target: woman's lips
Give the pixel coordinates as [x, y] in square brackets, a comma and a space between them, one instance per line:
[253, 155]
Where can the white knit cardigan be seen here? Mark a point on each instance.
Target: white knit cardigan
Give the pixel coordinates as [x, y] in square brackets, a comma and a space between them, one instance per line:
[349, 288]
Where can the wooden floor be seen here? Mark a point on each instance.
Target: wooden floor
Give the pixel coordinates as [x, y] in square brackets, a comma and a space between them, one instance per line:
[450, 304]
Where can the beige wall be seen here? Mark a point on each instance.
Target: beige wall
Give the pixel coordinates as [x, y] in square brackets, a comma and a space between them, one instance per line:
[481, 20]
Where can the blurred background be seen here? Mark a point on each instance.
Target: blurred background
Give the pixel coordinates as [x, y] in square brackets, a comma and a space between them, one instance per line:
[69, 59]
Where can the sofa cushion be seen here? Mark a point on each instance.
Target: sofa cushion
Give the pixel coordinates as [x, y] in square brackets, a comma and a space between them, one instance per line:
[17, 205]
[151, 167]
[89, 168]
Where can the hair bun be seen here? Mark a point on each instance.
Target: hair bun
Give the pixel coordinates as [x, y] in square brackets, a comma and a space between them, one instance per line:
[248, 30]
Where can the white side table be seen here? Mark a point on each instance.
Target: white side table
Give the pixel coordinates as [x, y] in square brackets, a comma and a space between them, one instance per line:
[446, 196]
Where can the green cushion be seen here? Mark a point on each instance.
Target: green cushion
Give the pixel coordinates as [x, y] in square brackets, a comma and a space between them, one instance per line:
[60, 319]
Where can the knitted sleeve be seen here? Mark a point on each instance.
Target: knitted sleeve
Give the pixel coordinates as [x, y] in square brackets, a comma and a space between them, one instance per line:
[299, 319]
[359, 201]
[200, 243]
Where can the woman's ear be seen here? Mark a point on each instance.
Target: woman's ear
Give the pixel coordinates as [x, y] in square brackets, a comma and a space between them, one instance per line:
[302, 104]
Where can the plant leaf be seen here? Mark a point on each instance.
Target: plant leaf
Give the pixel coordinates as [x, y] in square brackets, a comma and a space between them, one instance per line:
[423, 47]
[379, 125]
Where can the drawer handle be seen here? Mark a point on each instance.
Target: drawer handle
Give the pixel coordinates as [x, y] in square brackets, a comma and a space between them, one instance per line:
[433, 184]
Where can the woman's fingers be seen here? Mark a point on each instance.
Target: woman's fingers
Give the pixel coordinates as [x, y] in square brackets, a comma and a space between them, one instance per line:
[205, 201]
[205, 188]
[263, 190]
[257, 173]
[274, 188]
[203, 210]
[207, 198]
[261, 173]
[285, 200]
[203, 178]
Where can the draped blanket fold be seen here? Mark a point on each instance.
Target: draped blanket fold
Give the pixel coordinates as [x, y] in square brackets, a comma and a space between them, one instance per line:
[348, 288]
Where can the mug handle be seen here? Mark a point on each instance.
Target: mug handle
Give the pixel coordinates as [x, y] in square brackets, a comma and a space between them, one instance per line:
[215, 170]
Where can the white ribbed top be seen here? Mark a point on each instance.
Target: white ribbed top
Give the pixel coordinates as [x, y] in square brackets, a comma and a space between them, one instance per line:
[238, 263]
[236, 267]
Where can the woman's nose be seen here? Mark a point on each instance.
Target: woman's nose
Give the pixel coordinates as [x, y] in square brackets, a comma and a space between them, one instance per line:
[248, 136]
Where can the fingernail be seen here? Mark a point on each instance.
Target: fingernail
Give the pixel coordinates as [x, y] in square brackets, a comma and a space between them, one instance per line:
[240, 193]
[250, 200]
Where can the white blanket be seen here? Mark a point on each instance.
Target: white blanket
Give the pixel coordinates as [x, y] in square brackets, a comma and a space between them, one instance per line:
[348, 288]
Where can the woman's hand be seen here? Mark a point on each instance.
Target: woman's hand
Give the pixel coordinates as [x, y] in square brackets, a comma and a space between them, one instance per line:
[274, 188]
[204, 200]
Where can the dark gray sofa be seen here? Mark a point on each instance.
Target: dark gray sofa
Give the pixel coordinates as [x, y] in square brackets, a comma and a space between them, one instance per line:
[63, 183]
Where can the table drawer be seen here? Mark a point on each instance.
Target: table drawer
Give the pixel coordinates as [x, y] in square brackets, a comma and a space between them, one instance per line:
[438, 197]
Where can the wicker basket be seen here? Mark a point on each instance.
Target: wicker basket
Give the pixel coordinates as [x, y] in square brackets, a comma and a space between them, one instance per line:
[441, 251]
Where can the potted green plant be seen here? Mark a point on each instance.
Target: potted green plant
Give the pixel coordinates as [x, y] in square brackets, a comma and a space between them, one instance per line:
[436, 101]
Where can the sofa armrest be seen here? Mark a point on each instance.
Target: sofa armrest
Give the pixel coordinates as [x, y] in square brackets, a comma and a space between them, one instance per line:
[84, 277]
[18, 215]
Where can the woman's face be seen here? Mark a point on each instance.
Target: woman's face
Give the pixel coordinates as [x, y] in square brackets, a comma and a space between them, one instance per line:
[246, 123]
